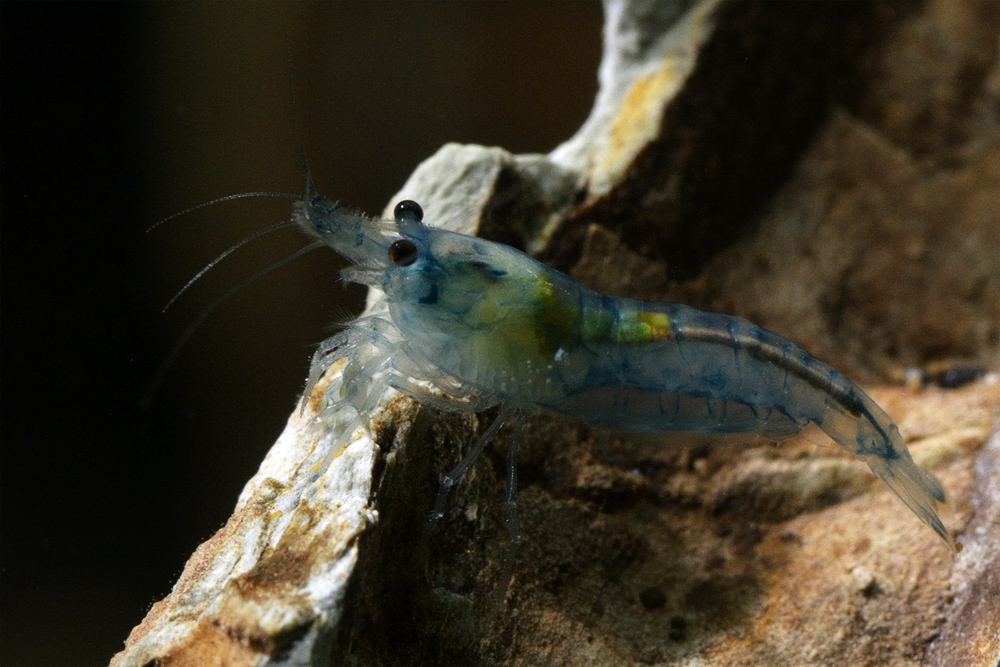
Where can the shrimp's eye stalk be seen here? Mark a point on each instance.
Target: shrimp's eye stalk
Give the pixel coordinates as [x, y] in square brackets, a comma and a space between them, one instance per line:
[403, 252]
[408, 210]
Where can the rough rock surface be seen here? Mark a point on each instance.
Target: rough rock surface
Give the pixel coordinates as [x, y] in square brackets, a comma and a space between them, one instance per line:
[830, 171]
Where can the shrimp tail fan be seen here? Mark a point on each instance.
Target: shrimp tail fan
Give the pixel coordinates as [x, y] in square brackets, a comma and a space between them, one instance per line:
[919, 489]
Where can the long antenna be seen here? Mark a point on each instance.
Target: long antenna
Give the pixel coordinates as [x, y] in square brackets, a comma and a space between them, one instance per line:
[154, 386]
[231, 250]
[311, 192]
[242, 195]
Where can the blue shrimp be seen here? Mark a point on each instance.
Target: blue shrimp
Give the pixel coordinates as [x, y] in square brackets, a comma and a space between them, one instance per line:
[467, 324]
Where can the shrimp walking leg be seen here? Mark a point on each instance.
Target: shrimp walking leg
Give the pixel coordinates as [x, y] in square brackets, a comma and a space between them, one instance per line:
[510, 513]
[366, 331]
[510, 501]
[507, 414]
[348, 402]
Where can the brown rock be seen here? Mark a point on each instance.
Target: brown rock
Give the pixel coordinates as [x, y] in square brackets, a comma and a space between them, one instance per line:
[830, 171]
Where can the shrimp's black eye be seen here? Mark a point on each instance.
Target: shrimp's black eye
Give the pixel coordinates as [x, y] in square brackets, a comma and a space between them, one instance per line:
[408, 210]
[403, 252]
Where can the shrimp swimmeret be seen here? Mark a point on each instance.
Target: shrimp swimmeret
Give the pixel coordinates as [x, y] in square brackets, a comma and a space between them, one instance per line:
[485, 324]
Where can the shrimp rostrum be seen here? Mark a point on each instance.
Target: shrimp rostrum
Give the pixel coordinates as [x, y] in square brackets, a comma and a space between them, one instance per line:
[468, 324]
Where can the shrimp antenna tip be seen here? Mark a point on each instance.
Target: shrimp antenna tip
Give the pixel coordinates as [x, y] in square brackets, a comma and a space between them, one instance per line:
[241, 195]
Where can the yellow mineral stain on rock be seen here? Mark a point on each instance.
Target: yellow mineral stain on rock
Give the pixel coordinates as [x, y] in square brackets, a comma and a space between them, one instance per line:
[638, 122]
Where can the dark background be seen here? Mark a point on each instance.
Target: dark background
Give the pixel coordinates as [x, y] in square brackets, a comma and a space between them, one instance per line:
[117, 115]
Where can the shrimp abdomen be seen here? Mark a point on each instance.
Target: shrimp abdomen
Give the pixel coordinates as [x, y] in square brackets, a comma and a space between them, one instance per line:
[715, 373]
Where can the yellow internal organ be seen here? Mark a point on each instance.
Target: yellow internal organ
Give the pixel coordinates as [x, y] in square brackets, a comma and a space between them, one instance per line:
[554, 320]
[644, 327]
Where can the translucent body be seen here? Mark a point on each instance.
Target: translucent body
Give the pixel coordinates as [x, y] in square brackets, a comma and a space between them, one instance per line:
[484, 323]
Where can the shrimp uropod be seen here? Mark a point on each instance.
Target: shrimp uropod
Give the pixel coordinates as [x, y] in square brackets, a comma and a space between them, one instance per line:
[486, 324]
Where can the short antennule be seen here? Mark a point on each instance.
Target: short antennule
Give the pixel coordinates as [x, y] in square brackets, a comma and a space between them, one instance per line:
[311, 192]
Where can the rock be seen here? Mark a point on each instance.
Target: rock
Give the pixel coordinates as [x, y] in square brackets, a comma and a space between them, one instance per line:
[829, 171]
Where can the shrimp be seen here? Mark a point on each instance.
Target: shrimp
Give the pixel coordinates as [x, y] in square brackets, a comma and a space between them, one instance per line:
[467, 324]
